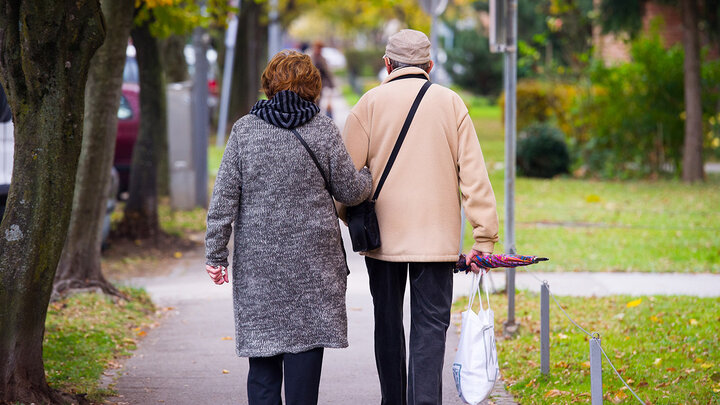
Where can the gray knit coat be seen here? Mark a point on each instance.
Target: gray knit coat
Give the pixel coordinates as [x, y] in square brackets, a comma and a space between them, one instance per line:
[289, 273]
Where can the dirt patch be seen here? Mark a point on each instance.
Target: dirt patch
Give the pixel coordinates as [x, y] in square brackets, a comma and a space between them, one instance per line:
[125, 259]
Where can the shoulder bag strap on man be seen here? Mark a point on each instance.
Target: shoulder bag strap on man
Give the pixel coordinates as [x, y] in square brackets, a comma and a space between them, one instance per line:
[403, 132]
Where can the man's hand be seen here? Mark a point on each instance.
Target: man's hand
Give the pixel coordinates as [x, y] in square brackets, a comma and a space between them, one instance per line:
[218, 274]
[468, 260]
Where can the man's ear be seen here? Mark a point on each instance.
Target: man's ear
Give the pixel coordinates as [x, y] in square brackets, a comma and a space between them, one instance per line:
[387, 65]
[430, 67]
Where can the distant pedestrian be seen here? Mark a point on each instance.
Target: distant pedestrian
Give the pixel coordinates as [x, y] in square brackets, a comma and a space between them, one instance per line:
[289, 268]
[328, 81]
[439, 166]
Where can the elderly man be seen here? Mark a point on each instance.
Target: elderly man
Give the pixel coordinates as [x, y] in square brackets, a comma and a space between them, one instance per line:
[439, 166]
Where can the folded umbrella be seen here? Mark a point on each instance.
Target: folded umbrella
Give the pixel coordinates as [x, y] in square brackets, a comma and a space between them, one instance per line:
[494, 261]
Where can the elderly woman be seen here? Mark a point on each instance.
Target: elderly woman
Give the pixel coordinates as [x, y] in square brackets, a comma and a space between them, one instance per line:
[289, 269]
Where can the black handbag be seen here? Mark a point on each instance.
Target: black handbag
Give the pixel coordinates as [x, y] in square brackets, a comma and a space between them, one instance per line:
[362, 220]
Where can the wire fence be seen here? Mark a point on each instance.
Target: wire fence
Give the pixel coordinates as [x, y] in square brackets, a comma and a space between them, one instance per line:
[590, 335]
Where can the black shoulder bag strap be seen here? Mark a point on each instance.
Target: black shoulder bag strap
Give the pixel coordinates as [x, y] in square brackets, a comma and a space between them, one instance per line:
[312, 155]
[403, 131]
[327, 184]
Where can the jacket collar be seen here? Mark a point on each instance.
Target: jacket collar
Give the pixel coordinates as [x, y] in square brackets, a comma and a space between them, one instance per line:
[404, 72]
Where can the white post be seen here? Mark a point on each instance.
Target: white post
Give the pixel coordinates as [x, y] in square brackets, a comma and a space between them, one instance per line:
[545, 328]
[596, 389]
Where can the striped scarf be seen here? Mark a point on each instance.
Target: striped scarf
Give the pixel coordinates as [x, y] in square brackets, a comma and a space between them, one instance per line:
[286, 110]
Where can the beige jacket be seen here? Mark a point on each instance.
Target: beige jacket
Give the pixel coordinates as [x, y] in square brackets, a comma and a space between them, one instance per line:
[418, 208]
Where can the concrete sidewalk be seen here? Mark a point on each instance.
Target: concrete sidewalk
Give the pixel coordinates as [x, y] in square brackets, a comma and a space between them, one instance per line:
[187, 360]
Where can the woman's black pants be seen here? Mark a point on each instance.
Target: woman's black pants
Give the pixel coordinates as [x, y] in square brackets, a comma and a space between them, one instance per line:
[419, 381]
[302, 378]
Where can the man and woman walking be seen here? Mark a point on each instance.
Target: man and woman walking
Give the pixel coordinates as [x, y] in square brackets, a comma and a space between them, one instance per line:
[282, 170]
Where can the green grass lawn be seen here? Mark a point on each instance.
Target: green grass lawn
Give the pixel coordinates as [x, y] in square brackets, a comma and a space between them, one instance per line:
[592, 225]
[666, 348]
[86, 333]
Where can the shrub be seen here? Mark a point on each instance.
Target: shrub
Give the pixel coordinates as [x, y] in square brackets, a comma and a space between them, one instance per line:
[542, 152]
[364, 62]
[472, 66]
[540, 101]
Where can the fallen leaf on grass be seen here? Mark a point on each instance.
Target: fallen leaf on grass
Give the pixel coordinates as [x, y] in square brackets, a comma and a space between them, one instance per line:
[656, 319]
[226, 338]
[225, 371]
[562, 336]
[142, 333]
[586, 364]
[657, 361]
[619, 397]
[592, 198]
[178, 255]
[634, 303]
[706, 365]
[532, 382]
[556, 393]
[693, 322]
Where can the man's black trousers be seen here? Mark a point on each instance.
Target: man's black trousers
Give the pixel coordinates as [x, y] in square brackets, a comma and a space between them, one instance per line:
[420, 380]
[302, 378]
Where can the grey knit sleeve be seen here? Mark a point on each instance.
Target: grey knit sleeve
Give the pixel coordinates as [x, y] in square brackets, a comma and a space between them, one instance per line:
[349, 186]
[224, 204]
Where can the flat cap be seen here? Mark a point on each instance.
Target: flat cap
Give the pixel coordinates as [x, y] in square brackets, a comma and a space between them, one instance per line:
[408, 46]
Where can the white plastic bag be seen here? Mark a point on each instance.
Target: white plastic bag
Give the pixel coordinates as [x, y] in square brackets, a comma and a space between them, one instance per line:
[476, 366]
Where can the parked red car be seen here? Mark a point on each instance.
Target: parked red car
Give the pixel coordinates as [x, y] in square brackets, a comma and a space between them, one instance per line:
[127, 132]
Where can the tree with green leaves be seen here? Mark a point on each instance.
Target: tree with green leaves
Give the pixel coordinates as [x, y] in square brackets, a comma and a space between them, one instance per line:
[45, 53]
[624, 15]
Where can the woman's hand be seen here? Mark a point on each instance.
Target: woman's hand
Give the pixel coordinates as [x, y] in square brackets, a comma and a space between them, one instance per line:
[468, 260]
[218, 274]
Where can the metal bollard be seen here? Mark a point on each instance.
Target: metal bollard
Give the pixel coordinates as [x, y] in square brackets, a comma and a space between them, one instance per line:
[596, 389]
[545, 328]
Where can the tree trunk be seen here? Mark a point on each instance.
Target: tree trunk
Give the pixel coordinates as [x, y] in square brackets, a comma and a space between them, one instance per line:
[141, 211]
[79, 266]
[250, 59]
[693, 149]
[176, 68]
[46, 47]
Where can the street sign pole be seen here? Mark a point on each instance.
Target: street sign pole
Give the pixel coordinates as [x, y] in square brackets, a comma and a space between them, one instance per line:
[274, 40]
[503, 38]
[434, 8]
[510, 142]
[230, 37]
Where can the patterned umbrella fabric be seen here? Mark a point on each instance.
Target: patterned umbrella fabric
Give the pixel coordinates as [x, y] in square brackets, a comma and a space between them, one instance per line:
[495, 261]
